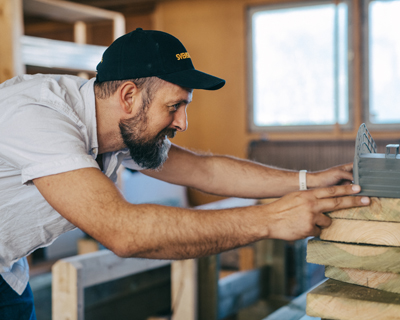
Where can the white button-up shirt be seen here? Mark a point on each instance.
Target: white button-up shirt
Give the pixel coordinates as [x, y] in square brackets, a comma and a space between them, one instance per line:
[47, 126]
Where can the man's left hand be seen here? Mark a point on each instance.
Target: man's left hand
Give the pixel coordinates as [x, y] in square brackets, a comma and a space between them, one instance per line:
[342, 174]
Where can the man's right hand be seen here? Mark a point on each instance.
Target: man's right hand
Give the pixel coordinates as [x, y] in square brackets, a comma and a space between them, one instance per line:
[301, 214]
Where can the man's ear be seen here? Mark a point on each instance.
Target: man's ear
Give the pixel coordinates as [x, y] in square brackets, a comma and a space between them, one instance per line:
[129, 97]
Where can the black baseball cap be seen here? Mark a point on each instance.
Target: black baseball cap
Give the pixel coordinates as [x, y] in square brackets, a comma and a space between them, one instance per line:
[149, 53]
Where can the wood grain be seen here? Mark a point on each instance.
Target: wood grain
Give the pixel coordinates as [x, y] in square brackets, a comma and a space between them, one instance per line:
[364, 257]
[362, 231]
[380, 209]
[386, 281]
[339, 300]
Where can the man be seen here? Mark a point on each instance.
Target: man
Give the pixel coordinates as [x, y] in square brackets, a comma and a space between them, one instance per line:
[63, 138]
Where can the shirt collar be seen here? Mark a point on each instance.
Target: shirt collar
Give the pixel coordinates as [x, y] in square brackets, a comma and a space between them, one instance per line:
[87, 92]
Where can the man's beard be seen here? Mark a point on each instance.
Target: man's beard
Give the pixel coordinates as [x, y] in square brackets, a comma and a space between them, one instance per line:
[147, 153]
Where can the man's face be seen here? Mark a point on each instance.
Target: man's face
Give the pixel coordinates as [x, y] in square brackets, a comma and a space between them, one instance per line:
[145, 133]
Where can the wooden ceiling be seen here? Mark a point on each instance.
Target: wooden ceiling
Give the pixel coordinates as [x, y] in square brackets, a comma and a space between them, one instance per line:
[123, 6]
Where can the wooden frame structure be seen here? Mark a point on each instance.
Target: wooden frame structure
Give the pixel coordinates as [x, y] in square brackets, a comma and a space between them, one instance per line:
[72, 275]
[215, 298]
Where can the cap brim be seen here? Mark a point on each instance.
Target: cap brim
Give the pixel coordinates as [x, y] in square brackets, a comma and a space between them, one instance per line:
[194, 79]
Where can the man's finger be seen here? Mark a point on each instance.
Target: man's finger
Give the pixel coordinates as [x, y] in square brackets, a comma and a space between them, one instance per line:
[347, 167]
[316, 232]
[332, 204]
[323, 221]
[336, 191]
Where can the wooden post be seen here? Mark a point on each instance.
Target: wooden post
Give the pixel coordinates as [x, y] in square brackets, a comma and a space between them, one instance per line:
[208, 287]
[11, 29]
[67, 296]
[184, 289]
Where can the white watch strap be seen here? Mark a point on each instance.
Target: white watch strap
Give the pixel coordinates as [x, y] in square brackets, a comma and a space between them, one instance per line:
[303, 179]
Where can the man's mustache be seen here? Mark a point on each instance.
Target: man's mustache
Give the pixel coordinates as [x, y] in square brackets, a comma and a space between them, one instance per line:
[170, 133]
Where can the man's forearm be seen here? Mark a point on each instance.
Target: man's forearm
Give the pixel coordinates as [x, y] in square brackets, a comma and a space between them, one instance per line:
[153, 231]
[89, 200]
[233, 177]
[242, 178]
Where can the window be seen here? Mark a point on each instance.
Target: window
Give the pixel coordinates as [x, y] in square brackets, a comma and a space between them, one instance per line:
[382, 64]
[299, 70]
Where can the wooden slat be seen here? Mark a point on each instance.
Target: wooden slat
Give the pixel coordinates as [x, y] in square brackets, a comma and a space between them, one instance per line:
[361, 231]
[49, 53]
[386, 281]
[339, 300]
[380, 209]
[67, 296]
[72, 12]
[365, 257]
[184, 289]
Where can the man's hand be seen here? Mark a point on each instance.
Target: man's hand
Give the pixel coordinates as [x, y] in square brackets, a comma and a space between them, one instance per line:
[333, 176]
[301, 214]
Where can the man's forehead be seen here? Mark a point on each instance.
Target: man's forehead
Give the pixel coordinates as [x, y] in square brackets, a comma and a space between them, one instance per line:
[174, 93]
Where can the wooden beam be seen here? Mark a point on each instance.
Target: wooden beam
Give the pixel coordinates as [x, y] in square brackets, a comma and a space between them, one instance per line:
[364, 257]
[362, 231]
[72, 12]
[386, 281]
[11, 29]
[380, 209]
[208, 267]
[184, 289]
[339, 300]
[49, 53]
[208, 287]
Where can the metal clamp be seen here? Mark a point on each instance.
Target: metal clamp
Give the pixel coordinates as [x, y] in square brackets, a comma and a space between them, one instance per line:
[389, 147]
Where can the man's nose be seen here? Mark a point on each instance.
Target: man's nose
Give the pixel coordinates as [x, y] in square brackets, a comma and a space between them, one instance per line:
[180, 120]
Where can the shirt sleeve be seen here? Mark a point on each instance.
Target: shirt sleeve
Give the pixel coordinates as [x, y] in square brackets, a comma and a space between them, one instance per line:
[41, 141]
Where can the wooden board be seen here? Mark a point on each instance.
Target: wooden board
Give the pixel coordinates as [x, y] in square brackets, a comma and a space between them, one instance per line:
[339, 300]
[386, 281]
[380, 209]
[184, 289]
[365, 257]
[361, 231]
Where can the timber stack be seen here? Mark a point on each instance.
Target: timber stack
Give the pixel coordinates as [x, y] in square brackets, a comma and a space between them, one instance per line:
[361, 254]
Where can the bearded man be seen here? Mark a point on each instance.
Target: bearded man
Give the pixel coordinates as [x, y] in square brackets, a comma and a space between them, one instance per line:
[62, 139]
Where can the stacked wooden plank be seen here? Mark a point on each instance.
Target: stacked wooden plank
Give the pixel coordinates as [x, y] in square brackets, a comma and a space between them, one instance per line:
[361, 252]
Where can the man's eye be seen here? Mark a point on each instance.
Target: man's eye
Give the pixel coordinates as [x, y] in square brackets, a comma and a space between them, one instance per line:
[174, 107]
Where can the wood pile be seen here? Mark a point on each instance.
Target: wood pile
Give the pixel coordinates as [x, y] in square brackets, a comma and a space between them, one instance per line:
[361, 254]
